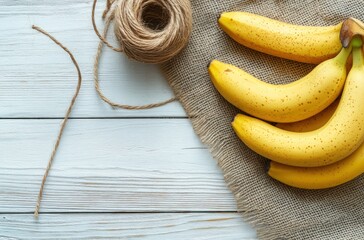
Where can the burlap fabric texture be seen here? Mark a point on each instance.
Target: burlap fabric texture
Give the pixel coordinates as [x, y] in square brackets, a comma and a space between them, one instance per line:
[276, 211]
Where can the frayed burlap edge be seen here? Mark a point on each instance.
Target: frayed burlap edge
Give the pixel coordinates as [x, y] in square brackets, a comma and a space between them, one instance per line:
[216, 148]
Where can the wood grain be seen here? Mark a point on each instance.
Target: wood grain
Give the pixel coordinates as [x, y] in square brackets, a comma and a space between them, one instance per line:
[38, 78]
[114, 176]
[109, 165]
[201, 226]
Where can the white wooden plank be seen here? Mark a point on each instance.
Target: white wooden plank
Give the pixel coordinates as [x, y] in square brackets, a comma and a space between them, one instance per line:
[201, 226]
[109, 165]
[102, 165]
[38, 78]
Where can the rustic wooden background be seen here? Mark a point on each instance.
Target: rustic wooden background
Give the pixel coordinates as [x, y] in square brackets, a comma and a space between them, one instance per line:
[117, 174]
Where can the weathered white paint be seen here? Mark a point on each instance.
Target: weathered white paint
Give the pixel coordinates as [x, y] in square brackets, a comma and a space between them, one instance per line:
[109, 165]
[38, 78]
[198, 226]
[112, 178]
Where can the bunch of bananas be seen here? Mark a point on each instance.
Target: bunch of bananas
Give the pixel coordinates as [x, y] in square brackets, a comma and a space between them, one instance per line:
[312, 129]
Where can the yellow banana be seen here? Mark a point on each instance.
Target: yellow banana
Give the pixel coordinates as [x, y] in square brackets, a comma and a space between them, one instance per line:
[334, 141]
[318, 177]
[312, 123]
[291, 102]
[309, 44]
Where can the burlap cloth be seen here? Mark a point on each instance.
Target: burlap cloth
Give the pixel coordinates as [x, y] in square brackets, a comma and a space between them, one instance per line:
[276, 211]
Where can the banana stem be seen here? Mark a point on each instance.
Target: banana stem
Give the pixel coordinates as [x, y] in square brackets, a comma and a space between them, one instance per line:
[343, 55]
[351, 28]
[356, 42]
[358, 60]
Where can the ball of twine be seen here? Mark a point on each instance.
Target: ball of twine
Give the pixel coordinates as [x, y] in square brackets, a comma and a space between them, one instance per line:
[152, 31]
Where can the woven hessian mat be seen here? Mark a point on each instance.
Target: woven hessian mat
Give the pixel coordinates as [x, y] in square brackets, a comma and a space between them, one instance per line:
[276, 211]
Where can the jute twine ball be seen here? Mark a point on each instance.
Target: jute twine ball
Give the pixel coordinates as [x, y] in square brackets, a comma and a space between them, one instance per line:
[153, 31]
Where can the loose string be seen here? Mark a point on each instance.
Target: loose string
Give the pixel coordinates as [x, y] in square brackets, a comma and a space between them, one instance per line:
[49, 165]
[107, 9]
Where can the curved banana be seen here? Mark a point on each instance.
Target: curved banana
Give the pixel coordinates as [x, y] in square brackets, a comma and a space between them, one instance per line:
[309, 44]
[318, 177]
[312, 123]
[291, 102]
[337, 139]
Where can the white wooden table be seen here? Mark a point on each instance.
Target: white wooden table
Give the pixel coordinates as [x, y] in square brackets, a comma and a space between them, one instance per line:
[118, 174]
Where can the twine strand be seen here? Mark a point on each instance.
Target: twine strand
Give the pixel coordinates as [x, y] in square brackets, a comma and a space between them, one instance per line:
[107, 9]
[63, 124]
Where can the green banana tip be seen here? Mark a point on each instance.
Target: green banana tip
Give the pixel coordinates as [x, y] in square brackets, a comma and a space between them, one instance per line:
[356, 41]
